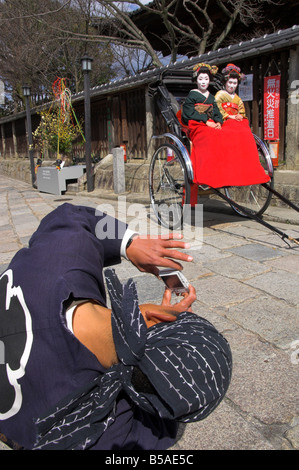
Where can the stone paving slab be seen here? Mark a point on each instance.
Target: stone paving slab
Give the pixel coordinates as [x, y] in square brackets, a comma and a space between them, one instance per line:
[265, 382]
[271, 319]
[222, 241]
[257, 252]
[288, 263]
[235, 268]
[217, 291]
[280, 284]
[224, 429]
[247, 282]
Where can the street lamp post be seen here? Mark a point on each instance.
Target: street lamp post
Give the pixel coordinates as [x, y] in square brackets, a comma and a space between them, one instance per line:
[86, 67]
[27, 93]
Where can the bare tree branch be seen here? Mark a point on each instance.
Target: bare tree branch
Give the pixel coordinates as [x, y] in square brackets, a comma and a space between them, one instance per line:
[38, 41]
[36, 15]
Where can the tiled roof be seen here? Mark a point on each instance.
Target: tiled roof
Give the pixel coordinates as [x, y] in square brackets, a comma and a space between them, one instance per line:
[253, 47]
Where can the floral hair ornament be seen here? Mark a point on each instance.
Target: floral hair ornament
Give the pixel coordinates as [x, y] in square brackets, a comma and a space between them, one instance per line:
[232, 68]
[213, 69]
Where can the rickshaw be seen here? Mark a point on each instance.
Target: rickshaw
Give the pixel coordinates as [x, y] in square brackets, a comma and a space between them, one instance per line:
[171, 172]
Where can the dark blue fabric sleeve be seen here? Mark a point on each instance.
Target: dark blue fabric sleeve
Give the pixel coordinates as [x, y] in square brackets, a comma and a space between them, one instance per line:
[67, 254]
[68, 225]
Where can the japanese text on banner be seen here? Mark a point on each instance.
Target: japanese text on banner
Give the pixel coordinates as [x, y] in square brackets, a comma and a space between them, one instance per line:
[271, 107]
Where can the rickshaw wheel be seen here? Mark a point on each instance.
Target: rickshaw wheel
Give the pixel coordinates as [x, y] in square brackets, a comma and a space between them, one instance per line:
[169, 186]
[254, 198]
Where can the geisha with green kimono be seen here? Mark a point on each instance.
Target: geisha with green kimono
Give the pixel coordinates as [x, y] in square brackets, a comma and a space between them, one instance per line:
[224, 152]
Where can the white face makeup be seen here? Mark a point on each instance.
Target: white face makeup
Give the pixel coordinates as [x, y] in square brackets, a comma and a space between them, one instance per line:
[203, 81]
[231, 85]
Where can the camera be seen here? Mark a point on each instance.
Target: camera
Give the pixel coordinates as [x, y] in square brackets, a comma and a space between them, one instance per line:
[174, 280]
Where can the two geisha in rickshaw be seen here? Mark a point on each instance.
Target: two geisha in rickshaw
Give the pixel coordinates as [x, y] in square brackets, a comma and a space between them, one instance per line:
[224, 151]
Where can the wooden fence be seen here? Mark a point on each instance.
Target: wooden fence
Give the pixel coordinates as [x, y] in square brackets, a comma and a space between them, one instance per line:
[120, 117]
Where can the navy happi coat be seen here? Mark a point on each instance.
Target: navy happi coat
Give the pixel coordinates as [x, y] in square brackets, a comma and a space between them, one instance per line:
[43, 361]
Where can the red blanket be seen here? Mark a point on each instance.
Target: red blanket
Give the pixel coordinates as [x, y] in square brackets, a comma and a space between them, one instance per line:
[226, 157]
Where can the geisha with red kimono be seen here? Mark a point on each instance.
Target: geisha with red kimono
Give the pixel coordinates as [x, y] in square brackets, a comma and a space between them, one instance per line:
[224, 151]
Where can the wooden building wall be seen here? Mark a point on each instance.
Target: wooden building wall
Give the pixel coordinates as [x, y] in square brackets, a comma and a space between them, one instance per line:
[120, 117]
[267, 65]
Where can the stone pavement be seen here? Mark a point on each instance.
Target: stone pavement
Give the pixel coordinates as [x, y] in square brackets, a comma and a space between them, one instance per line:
[247, 282]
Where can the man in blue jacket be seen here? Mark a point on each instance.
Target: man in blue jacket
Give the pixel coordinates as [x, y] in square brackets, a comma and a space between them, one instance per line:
[78, 375]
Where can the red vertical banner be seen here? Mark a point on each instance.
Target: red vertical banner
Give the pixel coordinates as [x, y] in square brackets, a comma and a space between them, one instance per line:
[271, 107]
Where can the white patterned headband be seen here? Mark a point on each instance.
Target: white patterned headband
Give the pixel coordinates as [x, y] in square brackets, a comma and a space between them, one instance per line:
[186, 362]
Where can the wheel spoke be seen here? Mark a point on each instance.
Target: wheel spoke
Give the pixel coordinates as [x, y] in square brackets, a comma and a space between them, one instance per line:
[254, 198]
[168, 182]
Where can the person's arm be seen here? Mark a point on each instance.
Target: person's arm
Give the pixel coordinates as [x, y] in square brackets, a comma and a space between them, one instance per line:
[92, 235]
[220, 98]
[92, 323]
[242, 111]
[217, 115]
[126, 242]
[167, 311]
[189, 112]
[79, 230]
[148, 253]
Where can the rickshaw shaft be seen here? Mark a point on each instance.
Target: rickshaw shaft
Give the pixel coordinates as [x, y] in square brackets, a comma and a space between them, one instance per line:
[251, 215]
[280, 196]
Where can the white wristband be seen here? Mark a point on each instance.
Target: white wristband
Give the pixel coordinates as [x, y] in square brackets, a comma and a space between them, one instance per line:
[128, 234]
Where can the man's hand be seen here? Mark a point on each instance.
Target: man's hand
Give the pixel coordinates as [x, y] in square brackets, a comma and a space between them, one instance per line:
[183, 305]
[147, 253]
[167, 312]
